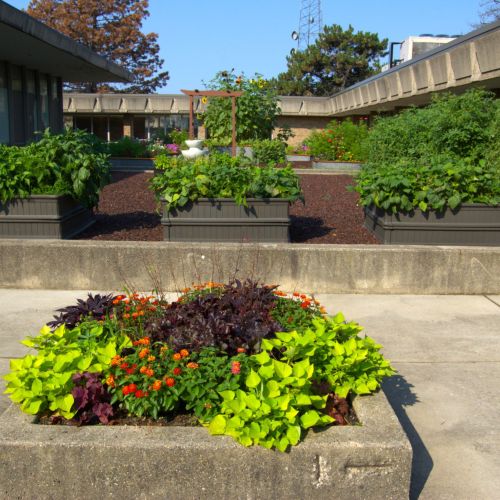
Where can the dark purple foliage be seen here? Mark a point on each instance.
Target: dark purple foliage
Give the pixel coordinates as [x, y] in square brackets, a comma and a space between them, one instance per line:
[92, 400]
[96, 306]
[240, 316]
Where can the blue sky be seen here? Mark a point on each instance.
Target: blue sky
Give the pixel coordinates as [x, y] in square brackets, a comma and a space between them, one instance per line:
[200, 37]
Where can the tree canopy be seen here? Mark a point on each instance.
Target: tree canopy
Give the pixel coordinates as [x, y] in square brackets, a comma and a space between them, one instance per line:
[338, 59]
[112, 28]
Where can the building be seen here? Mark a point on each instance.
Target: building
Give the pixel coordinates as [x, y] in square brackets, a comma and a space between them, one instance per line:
[34, 61]
[472, 60]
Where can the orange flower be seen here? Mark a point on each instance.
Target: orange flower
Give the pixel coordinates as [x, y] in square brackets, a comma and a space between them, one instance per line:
[149, 372]
[170, 381]
[156, 385]
[322, 310]
[163, 349]
[143, 353]
[184, 353]
[151, 358]
[185, 290]
[116, 302]
[177, 356]
[116, 360]
[110, 381]
[126, 315]
[135, 315]
[177, 371]
[192, 365]
[296, 294]
[143, 369]
[241, 349]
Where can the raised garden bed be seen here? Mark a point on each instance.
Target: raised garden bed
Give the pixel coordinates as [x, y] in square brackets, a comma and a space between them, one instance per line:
[43, 216]
[297, 157]
[221, 219]
[131, 164]
[368, 461]
[336, 165]
[471, 224]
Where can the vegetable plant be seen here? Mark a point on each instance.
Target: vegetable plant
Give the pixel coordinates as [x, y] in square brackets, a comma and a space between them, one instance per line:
[221, 176]
[269, 151]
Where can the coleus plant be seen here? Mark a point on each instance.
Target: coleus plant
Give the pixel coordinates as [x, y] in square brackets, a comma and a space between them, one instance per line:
[91, 399]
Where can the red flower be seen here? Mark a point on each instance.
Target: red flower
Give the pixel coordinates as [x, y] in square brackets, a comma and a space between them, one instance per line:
[140, 394]
[177, 371]
[124, 366]
[131, 370]
[170, 381]
[235, 367]
[241, 349]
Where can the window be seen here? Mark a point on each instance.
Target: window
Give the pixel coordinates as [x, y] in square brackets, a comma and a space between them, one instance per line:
[31, 104]
[4, 106]
[17, 112]
[44, 102]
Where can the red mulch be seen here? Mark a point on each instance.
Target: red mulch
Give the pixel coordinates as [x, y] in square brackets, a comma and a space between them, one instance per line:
[127, 211]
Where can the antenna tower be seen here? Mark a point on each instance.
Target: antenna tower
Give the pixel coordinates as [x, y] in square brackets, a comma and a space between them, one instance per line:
[310, 23]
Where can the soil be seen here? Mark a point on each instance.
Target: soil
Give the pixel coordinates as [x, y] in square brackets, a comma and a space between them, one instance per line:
[128, 211]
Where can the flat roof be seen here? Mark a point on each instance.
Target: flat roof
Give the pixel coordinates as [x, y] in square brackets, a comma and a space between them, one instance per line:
[28, 42]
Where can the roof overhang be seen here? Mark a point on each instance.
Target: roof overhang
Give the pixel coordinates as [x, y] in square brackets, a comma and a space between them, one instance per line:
[27, 42]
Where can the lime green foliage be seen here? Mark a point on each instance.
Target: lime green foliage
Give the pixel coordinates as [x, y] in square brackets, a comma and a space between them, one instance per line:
[42, 381]
[269, 151]
[221, 176]
[435, 157]
[341, 141]
[279, 402]
[57, 164]
[178, 137]
[256, 111]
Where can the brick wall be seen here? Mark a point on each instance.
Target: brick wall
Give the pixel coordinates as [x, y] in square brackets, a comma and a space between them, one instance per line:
[301, 126]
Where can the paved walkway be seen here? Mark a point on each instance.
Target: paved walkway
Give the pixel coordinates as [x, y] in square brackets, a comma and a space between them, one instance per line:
[446, 395]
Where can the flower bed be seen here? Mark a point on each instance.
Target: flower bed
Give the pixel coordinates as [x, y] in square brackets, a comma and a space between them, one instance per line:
[248, 361]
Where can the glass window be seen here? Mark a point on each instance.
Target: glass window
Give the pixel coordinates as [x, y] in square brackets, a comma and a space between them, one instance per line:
[139, 125]
[115, 128]
[4, 106]
[55, 110]
[44, 102]
[17, 113]
[31, 104]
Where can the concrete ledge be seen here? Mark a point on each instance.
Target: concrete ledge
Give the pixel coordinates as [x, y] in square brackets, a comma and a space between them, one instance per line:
[388, 269]
[371, 461]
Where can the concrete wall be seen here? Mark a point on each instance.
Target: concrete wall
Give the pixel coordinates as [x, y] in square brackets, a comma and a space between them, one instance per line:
[106, 265]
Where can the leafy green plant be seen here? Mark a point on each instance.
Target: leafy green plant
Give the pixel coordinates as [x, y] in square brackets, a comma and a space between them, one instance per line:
[57, 164]
[256, 111]
[428, 185]
[44, 381]
[128, 147]
[269, 151]
[155, 380]
[221, 176]
[179, 137]
[341, 141]
[280, 399]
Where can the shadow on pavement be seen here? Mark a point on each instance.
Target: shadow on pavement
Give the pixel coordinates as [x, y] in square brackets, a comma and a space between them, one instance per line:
[400, 395]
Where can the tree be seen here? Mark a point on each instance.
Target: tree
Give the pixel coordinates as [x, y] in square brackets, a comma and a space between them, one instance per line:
[490, 11]
[112, 28]
[337, 60]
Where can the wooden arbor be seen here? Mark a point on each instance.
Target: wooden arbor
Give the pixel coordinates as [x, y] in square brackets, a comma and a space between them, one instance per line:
[213, 93]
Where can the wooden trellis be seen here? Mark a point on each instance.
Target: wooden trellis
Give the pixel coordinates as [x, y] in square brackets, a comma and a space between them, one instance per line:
[213, 93]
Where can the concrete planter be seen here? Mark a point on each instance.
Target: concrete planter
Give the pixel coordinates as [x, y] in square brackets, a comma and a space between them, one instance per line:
[43, 216]
[297, 157]
[244, 150]
[223, 220]
[131, 164]
[371, 461]
[336, 165]
[473, 224]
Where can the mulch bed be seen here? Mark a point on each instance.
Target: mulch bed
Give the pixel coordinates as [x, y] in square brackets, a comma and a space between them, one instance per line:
[128, 212]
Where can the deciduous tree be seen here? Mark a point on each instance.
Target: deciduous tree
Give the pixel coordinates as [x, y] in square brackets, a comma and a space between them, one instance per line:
[112, 28]
[338, 59]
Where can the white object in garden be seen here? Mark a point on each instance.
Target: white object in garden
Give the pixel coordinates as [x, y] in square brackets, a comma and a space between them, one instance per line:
[194, 150]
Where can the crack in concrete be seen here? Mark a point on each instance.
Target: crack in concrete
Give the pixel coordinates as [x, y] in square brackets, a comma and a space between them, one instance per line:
[491, 300]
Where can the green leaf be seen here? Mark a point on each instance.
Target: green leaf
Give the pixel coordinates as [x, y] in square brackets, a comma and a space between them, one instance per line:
[253, 379]
[217, 425]
[309, 419]
[282, 369]
[36, 386]
[293, 434]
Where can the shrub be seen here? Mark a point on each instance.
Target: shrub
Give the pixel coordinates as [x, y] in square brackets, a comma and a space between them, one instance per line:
[221, 176]
[57, 164]
[268, 151]
[342, 141]
[128, 147]
[256, 111]
[178, 137]
[435, 157]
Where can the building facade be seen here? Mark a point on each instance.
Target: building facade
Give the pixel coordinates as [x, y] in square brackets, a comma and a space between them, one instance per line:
[34, 61]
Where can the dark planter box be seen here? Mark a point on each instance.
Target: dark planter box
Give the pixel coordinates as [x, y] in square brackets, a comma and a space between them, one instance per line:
[336, 165]
[43, 216]
[473, 224]
[221, 219]
[131, 164]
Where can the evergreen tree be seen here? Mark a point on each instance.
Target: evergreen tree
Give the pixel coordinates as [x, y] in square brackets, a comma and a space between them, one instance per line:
[338, 59]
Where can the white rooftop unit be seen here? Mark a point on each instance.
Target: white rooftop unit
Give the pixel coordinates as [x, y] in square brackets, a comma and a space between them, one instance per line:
[413, 46]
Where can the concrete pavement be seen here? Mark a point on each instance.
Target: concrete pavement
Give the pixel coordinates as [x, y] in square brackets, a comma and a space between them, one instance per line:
[445, 348]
